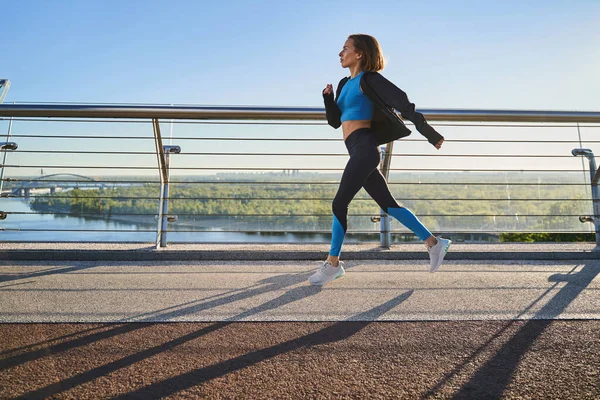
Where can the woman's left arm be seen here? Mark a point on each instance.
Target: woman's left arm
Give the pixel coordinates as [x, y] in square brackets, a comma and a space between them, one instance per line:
[395, 97]
[332, 111]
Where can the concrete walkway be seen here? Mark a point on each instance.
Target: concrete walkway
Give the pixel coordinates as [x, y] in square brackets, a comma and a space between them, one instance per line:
[243, 290]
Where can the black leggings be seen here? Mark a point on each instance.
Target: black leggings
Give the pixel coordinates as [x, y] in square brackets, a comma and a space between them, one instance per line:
[361, 172]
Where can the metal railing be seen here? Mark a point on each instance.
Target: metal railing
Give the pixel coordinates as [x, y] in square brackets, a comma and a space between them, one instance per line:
[283, 183]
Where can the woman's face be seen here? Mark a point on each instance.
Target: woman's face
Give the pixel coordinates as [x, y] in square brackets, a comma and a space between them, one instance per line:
[348, 56]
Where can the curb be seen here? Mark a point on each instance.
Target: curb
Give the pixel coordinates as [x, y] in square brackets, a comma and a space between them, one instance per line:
[265, 255]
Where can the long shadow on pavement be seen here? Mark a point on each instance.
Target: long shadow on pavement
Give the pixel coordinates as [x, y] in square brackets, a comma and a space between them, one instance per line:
[334, 333]
[38, 354]
[492, 379]
[11, 361]
[48, 271]
[48, 341]
[271, 284]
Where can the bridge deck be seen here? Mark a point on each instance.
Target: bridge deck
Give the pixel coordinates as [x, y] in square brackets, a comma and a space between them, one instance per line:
[500, 327]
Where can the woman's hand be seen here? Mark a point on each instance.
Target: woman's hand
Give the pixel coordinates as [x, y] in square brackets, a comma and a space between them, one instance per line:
[328, 90]
[438, 145]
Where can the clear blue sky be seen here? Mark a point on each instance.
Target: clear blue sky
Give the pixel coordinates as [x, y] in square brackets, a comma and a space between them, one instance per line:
[536, 54]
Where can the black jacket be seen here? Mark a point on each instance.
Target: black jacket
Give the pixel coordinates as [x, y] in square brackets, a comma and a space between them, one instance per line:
[387, 97]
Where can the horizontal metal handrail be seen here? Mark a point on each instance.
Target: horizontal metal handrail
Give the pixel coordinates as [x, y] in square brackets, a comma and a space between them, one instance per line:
[295, 139]
[276, 113]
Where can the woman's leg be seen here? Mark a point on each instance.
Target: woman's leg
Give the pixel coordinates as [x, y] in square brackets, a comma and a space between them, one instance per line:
[378, 189]
[363, 160]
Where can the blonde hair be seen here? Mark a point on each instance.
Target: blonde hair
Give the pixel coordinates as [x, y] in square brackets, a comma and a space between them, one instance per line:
[369, 47]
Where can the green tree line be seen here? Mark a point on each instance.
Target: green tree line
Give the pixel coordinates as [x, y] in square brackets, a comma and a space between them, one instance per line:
[306, 206]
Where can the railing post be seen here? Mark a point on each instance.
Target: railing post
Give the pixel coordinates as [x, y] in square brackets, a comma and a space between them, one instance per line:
[162, 154]
[165, 204]
[385, 234]
[4, 147]
[162, 174]
[166, 218]
[594, 177]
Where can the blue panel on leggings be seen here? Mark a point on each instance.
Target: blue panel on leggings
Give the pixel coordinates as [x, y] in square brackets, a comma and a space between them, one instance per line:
[337, 237]
[409, 220]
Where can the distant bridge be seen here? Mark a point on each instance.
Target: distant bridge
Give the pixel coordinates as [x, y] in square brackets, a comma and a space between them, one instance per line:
[49, 182]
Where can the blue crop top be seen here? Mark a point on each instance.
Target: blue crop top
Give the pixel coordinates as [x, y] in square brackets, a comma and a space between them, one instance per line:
[353, 103]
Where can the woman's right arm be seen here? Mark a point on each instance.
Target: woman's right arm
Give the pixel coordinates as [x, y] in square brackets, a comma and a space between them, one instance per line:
[332, 111]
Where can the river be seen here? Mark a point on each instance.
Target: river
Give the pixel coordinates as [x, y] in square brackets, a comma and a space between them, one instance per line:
[54, 228]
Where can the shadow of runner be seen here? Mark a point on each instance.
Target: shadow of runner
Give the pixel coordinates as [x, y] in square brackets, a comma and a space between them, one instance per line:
[267, 285]
[290, 296]
[338, 331]
[491, 380]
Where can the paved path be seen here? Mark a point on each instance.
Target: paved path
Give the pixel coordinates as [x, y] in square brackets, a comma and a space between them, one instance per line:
[514, 327]
[374, 290]
[479, 360]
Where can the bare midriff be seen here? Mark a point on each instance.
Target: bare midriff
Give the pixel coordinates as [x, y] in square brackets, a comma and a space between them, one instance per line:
[350, 126]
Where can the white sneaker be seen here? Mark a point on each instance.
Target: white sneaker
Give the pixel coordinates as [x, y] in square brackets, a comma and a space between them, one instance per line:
[437, 253]
[326, 273]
